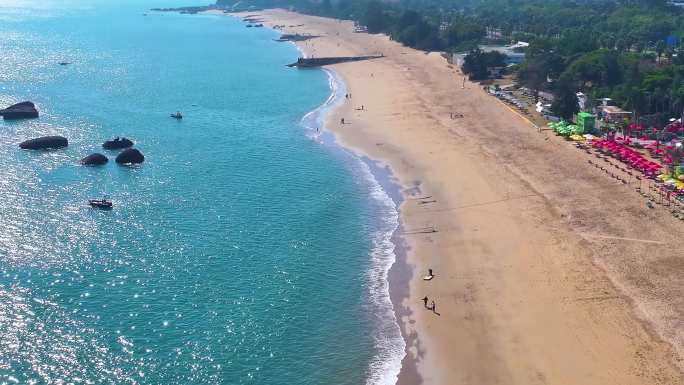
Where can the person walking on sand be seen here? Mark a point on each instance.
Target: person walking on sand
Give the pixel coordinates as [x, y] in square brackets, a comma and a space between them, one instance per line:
[425, 299]
[342, 121]
[433, 307]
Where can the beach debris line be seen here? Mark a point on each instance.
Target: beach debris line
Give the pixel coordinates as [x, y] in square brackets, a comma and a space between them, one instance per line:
[323, 61]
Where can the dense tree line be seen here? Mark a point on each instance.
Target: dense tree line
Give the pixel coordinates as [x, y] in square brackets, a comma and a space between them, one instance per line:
[477, 63]
[627, 50]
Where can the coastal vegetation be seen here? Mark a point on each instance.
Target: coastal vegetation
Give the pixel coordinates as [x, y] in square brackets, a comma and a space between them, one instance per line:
[477, 63]
[626, 50]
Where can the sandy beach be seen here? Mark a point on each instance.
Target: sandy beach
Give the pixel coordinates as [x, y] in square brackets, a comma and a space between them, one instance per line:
[547, 271]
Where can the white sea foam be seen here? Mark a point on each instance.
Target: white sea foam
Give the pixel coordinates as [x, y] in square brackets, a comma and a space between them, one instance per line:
[315, 119]
[390, 346]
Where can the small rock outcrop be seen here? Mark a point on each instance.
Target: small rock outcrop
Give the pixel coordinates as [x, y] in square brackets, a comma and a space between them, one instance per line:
[117, 144]
[44, 143]
[23, 110]
[95, 159]
[130, 156]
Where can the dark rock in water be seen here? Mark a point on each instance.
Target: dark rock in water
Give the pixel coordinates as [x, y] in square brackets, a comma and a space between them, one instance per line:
[117, 144]
[23, 110]
[44, 143]
[130, 156]
[94, 160]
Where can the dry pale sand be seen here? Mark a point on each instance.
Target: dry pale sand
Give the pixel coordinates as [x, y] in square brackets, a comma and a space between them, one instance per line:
[548, 271]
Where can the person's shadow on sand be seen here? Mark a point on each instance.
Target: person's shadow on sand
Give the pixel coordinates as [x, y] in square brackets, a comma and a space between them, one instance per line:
[433, 307]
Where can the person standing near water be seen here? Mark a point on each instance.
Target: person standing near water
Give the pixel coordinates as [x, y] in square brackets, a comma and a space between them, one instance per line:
[425, 301]
[433, 307]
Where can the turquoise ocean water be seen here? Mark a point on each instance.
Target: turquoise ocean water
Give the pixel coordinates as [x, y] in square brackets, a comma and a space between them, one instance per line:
[244, 250]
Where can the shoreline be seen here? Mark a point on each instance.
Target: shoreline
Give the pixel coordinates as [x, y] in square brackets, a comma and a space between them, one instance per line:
[510, 255]
[399, 272]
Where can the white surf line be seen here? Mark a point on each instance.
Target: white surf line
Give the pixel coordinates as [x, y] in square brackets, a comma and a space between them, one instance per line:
[623, 239]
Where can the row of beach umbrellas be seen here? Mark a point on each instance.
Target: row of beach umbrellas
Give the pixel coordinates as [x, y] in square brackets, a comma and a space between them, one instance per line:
[628, 155]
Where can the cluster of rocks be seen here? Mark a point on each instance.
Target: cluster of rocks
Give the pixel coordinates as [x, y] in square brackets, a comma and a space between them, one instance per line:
[26, 110]
[127, 156]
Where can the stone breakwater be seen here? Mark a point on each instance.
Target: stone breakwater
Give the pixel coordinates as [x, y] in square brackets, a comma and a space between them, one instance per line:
[324, 61]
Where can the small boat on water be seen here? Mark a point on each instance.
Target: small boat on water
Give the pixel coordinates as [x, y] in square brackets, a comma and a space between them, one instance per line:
[101, 203]
[177, 115]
